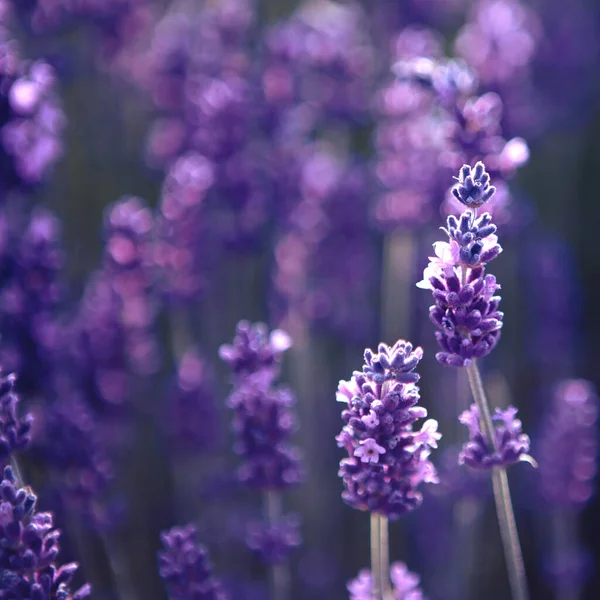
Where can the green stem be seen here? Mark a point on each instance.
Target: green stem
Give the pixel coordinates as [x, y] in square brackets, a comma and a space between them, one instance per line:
[504, 509]
[279, 575]
[376, 591]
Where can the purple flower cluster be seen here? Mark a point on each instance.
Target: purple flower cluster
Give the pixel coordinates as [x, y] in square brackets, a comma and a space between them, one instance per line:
[14, 429]
[325, 258]
[71, 447]
[388, 459]
[185, 568]
[255, 350]
[31, 120]
[512, 445]
[466, 307]
[29, 548]
[405, 584]
[321, 58]
[31, 292]
[264, 422]
[568, 445]
[193, 418]
[273, 542]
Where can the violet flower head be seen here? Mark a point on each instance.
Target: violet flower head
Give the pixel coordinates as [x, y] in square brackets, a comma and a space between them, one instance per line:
[29, 548]
[473, 188]
[568, 445]
[185, 568]
[466, 307]
[511, 443]
[274, 542]
[14, 430]
[193, 419]
[255, 349]
[405, 584]
[264, 422]
[396, 363]
[387, 458]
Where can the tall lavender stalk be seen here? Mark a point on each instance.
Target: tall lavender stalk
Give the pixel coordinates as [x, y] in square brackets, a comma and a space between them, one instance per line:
[264, 422]
[466, 312]
[387, 459]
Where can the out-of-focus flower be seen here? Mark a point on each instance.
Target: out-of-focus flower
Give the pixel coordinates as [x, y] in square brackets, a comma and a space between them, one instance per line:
[325, 258]
[184, 566]
[274, 542]
[567, 445]
[29, 548]
[512, 444]
[254, 349]
[192, 416]
[388, 459]
[405, 584]
[14, 429]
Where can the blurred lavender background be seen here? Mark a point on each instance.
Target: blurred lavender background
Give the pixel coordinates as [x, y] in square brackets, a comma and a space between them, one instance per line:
[169, 168]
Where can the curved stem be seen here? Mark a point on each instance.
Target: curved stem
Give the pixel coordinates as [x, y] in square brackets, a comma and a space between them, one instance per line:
[504, 509]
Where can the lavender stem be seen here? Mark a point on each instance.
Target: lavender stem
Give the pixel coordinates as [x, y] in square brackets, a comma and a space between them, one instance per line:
[279, 575]
[384, 558]
[14, 463]
[376, 557]
[506, 515]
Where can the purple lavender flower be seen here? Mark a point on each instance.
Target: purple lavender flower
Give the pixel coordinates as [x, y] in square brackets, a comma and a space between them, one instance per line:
[29, 548]
[14, 430]
[568, 447]
[325, 261]
[388, 459]
[193, 419]
[512, 444]
[185, 568]
[274, 542]
[263, 424]
[70, 445]
[473, 188]
[254, 349]
[465, 309]
[32, 121]
[405, 584]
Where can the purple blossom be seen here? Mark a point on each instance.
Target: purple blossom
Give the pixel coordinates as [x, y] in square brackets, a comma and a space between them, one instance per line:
[405, 584]
[254, 349]
[185, 568]
[274, 542]
[465, 309]
[567, 445]
[14, 429]
[324, 259]
[511, 443]
[473, 188]
[70, 445]
[263, 424]
[193, 419]
[31, 120]
[29, 549]
[388, 459]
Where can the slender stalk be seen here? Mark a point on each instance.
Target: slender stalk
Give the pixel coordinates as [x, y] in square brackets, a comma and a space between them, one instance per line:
[504, 509]
[384, 558]
[376, 557]
[279, 573]
[14, 463]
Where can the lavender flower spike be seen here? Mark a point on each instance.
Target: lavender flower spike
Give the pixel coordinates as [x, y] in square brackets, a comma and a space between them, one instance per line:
[387, 459]
[185, 568]
[14, 430]
[512, 445]
[405, 584]
[473, 188]
[466, 304]
[254, 349]
[29, 548]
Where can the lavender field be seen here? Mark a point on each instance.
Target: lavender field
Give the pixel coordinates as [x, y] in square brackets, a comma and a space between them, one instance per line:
[298, 299]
